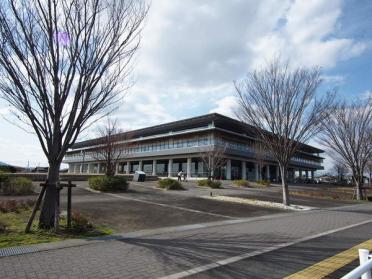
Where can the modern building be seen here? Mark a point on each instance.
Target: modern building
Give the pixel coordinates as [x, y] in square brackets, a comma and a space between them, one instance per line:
[164, 150]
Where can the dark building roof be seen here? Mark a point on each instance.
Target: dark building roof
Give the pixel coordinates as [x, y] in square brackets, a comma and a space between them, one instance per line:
[219, 120]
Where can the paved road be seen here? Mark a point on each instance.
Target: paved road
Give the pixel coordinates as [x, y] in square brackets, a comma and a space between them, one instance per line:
[166, 254]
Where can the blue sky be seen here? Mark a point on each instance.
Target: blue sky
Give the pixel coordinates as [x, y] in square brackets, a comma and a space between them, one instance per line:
[193, 50]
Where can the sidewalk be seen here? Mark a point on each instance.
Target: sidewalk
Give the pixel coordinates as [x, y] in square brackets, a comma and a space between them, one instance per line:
[159, 255]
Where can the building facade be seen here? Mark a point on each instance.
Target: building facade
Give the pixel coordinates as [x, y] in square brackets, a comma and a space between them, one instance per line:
[166, 149]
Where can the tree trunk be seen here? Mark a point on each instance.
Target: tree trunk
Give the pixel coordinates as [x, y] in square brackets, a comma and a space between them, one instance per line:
[358, 180]
[284, 175]
[47, 214]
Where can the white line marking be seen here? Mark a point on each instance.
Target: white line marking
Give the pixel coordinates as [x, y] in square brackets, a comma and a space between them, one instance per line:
[162, 204]
[255, 253]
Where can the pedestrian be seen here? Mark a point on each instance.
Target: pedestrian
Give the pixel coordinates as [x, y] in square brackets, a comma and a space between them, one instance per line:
[179, 176]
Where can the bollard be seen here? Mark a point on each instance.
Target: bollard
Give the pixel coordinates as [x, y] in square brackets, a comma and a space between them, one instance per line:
[363, 258]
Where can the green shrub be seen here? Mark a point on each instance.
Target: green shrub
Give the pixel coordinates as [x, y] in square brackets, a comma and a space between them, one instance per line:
[80, 223]
[108, 183]
[215, 184]
[170, 184]
[203, 182]
[241, 183]
[264, 182]
[17, 186]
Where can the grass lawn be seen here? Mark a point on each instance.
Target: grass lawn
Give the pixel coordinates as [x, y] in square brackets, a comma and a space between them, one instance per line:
[16, 223]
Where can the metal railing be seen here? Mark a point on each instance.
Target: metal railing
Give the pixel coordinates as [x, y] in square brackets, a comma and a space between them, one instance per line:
[364, 270]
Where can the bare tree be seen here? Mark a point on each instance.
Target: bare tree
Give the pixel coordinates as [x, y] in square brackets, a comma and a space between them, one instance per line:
[281, 104]
[341, 170]
[213, 158]
[113, 145]
[62, 64]
[348, 134]
[369, 170]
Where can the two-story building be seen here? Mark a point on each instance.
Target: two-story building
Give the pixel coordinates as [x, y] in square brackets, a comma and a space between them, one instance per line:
[165, 149]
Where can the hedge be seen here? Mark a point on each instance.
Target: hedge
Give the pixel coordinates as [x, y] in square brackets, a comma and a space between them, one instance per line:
[108, 183]
[210, 183]
[170, 184]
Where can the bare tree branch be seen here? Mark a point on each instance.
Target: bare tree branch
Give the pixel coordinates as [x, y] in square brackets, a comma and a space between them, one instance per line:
[281, 104]
[348, 134]
[62, 63]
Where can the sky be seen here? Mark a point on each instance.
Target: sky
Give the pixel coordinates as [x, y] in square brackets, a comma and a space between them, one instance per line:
[193, 50]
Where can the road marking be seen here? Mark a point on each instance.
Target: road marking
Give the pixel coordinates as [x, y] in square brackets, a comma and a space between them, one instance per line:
[331, 264]
[162, 204]
[258, 252]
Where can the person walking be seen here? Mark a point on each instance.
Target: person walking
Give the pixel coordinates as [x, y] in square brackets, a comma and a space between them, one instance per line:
[179, 176]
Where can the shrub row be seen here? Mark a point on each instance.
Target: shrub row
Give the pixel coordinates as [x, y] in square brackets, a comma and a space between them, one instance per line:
[241, 183]
[215, 184]
[170, 184]
[15, 185]
[108, 183]
[263, 182]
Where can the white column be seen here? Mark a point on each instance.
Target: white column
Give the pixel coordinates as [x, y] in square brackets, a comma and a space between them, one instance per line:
[228, 169]
[116, 168]
[312, 175]
[277, 173]
[81, 167]
[140, 166]
[98, 167]
[153, 167]
[90, 168]
[268, 172]
[244, 170]
[128, 168]
[170, 167]
[257, 173]
[188, 168]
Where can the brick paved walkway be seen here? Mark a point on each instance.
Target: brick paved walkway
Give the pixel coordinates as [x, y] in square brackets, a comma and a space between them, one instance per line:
[160, 255]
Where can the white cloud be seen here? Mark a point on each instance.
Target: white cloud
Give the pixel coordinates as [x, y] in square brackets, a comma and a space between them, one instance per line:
[226, 106]
[307, 36]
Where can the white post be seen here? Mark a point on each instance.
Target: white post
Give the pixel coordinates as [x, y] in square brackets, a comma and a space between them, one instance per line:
[188, 169]
[127, 171]
[98, 167]
[228, 169]
[363, 258]
[170, 167]
[256, 172]
[244, 170]
[268, 172]
[81, 167]
[140, 166]
[116, 168]
[153, 167]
